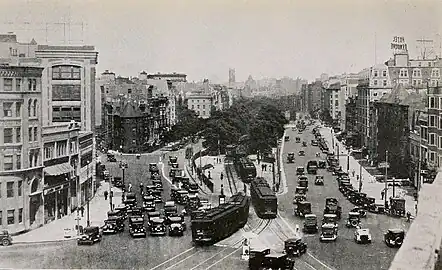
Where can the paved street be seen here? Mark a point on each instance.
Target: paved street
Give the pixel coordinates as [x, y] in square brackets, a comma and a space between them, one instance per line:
[344, 253]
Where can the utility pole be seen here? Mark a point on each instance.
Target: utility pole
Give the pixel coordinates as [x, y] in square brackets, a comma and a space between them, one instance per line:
[386, 178]
[360, 177]
[110, 192]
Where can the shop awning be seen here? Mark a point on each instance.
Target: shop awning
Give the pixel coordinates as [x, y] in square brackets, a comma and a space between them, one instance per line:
[58, 169]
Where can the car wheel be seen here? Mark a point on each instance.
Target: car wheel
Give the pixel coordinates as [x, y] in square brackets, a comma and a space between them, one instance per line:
[6, 242]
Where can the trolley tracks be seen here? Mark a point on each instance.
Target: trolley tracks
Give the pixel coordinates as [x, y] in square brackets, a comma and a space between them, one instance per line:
[230, 177]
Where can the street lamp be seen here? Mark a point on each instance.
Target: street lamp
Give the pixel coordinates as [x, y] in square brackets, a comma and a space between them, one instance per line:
[386, 178]
[87, 194]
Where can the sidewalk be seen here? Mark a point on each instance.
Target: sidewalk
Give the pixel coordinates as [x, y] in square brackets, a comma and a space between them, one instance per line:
[369, 184]
[260, 172]
[55, 231]
[214, 168]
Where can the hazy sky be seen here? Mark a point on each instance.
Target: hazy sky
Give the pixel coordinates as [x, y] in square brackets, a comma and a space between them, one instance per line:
[204, 38]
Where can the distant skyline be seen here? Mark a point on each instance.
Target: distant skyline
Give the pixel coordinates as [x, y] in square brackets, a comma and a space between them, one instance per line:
[205, 38]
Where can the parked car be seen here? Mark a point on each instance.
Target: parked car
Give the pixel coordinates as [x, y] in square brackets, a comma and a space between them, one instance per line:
[90, 236]
[5, 238]
[362, 236]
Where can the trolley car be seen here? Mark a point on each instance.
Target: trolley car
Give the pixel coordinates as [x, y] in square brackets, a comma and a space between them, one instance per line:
[263, 199]
[220, 222]
[245, 169]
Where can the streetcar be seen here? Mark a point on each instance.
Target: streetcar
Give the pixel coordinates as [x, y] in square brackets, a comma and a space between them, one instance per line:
[245, 169]
[213, 225]
[263, 199]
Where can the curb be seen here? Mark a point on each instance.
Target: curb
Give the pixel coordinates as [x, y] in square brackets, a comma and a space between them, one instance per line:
[193, 179]
[43, 241]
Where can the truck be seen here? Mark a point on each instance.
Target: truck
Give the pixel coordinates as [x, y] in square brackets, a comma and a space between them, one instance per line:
[312, 167]
[332, 207]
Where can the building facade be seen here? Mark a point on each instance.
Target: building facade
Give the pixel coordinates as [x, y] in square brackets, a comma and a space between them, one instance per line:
[20, 141]
[200, 103]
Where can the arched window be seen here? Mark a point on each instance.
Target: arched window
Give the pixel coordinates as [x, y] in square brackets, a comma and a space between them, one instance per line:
[34, 108]
[30, 107]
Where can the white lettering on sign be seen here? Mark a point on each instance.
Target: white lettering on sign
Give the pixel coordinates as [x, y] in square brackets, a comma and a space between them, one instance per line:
[399, 44]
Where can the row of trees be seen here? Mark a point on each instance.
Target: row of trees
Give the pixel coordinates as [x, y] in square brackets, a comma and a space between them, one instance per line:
[258, 118]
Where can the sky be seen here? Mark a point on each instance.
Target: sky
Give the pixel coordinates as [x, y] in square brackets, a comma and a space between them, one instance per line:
[204, 38]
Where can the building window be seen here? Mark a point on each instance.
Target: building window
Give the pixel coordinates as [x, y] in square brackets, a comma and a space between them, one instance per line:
[403, 73]
[432, 121]
[336, 103]
[384, 73]
[432, 137]
[7, 84]
[10, 189]
[7, 135]
[18, 109]
[18, 162]
[384, 83]
[7, 163]
[11, 214]
[49, 151]
[193, 107]
[35, 133]
[66, 72]
[432, 103]
[204, 112]
[18, 85]
[32, 85]
[19, 188]
[204, 106]
[20, 215]
[417, 73]
[432, 156]
[18, 134]
[34, 108]
[197, 106]
[435, 72]
[376, 73]
[30, 134]
[440, 142]
[62, 145]
[7, 109]
[375, 82]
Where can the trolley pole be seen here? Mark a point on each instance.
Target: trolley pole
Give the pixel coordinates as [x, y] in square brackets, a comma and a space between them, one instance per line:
[110, 192]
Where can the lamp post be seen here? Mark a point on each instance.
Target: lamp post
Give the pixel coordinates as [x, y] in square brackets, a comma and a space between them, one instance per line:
[87, 194]
[337, 146]
[386, 178]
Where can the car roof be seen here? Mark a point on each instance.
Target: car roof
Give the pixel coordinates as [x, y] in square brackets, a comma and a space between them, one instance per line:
[330, 215]
[327, 225]
[360, 231]
[310, 216]
[396, 230]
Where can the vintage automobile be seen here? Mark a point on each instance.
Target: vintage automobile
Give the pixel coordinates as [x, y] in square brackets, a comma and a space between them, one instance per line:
[173, 192]
[137, 229]
[300, 170]
[153, 168]
[353, 220]
[131, 199]
[314, 143]
[295, 247]
[303, 208]
[301, 153]
[170, 208]
[267, 260]
[291, 157]
[149, 203]
[176, 229]
[151, 216]
[5, 238]
[330, 219]
[303, 182]
[369, 203]
[322, 164]
[319, 180]
[174, 165]
[394, 237]
[112, 225]
[300, 194]
[182, 197]
[176, 218]
[172, 159]
[310, 224]
[397, 206]
[362, 236]
[332, 207]
[157, 226]
[158, 184]
[117, 214]
[135, 212]
[193, 202]
[298, 139]
[361, 211]
[158, 198]
[121, 210]
[329, 232]
[90, 236]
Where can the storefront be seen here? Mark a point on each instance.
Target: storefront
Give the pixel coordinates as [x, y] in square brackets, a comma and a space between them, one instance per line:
[56, 192]
[36, 209]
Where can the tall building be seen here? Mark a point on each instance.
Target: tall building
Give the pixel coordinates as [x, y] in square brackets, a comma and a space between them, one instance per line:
[21, 161]
[232, 78]
[60, 115]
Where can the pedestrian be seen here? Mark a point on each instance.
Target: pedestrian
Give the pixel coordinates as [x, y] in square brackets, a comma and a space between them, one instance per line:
[408, 216]
[112, 194]
[382, 194]
[129, 188]
[222, 176]
[208, 175]
[105, 195]
[262, 167]
[353, 173]
[122, 197]
[360, 186]
[82, 210]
